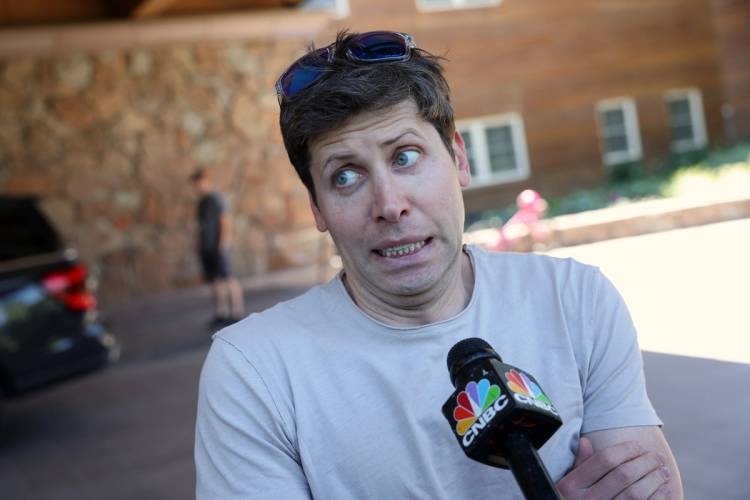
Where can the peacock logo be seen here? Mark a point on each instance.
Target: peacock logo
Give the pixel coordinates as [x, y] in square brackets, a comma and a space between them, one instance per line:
[526, 391]
[478, 404]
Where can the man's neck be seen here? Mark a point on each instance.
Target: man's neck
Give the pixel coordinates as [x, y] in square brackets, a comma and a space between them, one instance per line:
[432, 306]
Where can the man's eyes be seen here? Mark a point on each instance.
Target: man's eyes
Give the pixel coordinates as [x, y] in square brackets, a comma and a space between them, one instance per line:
[345, 178]
[348, 177]
[406, 158]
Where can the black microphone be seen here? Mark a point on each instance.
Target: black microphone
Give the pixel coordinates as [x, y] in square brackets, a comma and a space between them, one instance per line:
[500, 415]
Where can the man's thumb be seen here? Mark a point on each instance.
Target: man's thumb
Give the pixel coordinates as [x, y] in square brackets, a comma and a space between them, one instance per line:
[585, 450]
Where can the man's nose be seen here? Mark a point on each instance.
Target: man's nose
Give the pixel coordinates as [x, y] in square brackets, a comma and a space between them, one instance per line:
[390, 200]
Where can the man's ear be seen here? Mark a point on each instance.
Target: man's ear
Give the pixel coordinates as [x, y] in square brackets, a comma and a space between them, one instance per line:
[320, 222]
[461, 159]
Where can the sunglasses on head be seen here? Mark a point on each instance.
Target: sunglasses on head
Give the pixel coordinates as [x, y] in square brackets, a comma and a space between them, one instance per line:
[370, 47]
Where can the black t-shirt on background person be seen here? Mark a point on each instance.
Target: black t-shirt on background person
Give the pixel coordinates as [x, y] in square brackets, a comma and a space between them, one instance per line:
[210, 209]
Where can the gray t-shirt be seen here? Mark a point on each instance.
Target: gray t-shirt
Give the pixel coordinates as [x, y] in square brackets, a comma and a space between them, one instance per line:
[314, 398]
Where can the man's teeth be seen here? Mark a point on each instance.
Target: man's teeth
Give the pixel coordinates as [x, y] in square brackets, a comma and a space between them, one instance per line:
[402, 250]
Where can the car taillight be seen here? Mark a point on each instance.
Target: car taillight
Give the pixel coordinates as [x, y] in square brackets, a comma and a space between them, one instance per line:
[69, 287]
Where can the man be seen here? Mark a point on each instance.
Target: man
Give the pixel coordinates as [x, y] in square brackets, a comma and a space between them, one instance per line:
[337, 394]
[214, 240]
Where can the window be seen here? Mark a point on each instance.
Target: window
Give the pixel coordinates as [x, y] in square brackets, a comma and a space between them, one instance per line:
[686, 119]
[454, 4]
[339, 8]
[618, 130]
[496, 147]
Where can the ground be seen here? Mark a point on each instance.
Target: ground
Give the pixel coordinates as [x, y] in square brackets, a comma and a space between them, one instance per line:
[127, 432]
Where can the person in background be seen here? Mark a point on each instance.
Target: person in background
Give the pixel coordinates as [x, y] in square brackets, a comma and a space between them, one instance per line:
[214, 243]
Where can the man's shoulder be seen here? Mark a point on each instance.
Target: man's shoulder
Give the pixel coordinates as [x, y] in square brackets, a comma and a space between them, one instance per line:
[217, 199]
[283, 324]
[212, 199]
[528, 263]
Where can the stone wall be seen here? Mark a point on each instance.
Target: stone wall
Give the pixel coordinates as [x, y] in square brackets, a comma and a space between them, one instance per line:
[108, 138]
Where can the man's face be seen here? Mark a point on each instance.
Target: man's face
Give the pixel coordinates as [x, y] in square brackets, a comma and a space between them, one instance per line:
[389, 193]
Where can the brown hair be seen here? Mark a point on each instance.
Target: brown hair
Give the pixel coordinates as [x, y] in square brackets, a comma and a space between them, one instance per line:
[352, 88]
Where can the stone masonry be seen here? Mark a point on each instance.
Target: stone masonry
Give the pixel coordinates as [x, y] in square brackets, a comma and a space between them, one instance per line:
[107, 141]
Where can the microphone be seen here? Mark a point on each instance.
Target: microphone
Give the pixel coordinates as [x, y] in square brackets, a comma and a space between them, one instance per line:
[500, 415]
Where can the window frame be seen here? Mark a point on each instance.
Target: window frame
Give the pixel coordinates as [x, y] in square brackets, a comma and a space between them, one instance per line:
[697, 119]
[424, 5]
[338, 8]
[632, 131]
[477, 128]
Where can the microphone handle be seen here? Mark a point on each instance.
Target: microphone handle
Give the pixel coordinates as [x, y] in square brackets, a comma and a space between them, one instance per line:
[531, 475]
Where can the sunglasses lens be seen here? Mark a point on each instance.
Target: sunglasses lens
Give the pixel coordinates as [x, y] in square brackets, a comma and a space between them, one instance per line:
[379, 46]
[303, 73]
[374, 46]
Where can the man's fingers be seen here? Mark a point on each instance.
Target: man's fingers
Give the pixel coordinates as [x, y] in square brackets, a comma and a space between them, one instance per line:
[637, 478]
[652, 486]
[664, 492]
[585, 450]
[602, 462]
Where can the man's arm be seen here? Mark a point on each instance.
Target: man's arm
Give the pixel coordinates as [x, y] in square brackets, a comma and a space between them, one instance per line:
[244, 448]
[630, 462]
[622, 452]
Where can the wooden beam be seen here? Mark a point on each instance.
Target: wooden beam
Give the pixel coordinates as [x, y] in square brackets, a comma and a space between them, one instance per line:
[39, 12]
[97, 37]
[152, 8]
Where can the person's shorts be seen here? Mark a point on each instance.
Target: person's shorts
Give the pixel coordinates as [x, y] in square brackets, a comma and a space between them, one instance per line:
[215, 265]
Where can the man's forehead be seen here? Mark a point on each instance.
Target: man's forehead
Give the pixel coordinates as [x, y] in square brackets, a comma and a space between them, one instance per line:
[373, 123]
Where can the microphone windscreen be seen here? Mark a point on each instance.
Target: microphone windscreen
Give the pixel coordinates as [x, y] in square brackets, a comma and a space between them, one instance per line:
[466, 351]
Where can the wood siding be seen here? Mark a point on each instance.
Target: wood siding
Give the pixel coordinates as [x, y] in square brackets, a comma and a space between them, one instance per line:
[732, 19]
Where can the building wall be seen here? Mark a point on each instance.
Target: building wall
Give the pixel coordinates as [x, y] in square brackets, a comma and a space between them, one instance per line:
[107, 131]
[552, 61]
[107, 140]
[732, 21]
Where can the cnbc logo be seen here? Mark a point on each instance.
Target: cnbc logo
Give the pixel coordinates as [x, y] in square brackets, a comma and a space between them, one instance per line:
[526, 391]
[477, 406]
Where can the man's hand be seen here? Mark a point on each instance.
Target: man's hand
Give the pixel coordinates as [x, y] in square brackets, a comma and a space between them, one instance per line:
[622, 471]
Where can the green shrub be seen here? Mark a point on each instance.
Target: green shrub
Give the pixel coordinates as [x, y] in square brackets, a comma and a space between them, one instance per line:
[739, 153]
[698, 172]
[626, 172]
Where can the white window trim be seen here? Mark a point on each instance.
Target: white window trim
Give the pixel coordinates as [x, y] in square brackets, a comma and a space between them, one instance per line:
[339, 8]
[632, 130]
[484, 175]
[423, 5]
[342, 9]
[697, 119]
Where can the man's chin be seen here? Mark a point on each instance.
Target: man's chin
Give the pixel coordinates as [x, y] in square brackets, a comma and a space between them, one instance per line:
[410, 286]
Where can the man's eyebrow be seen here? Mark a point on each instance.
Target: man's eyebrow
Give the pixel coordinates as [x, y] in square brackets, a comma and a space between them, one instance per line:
[337, 157]
[400, 136]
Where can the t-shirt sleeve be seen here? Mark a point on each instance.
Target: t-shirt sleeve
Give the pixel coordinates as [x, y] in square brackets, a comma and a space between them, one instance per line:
[243, 447]
[614, 389]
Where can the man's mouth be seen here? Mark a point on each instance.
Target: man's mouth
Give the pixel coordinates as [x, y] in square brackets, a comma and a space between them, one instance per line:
[402, 250]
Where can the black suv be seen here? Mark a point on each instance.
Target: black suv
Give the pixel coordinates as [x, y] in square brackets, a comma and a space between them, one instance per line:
[48, 317]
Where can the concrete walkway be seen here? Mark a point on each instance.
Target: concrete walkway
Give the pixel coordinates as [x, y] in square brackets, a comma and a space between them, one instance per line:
[687, 291]
[165, 324]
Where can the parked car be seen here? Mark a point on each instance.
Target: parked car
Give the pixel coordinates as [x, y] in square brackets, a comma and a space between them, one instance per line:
[49, 330]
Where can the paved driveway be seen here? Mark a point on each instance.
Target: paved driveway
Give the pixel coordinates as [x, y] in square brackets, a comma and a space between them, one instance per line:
[689, 293]
[127, 432]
